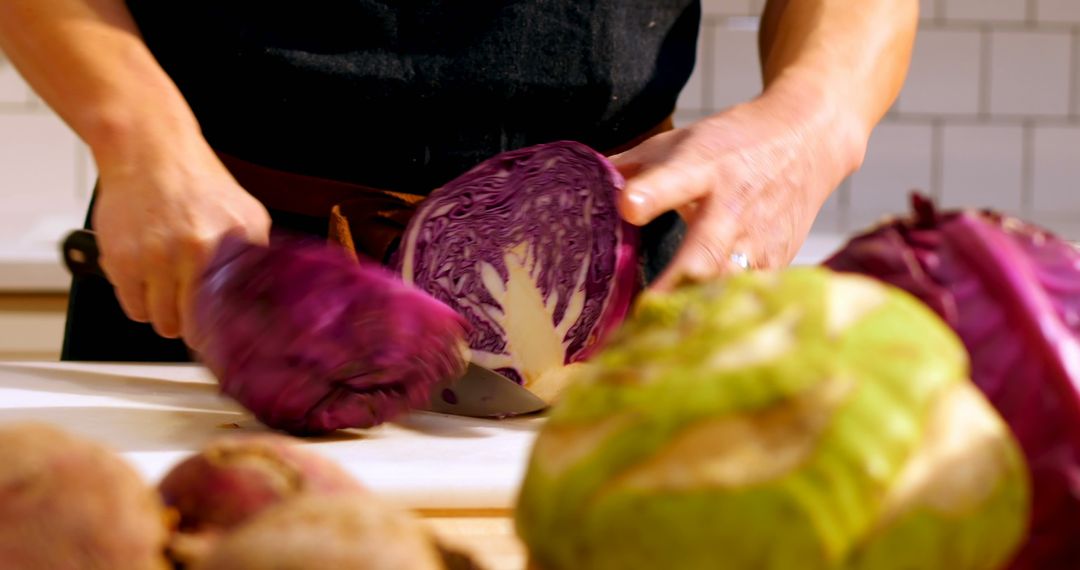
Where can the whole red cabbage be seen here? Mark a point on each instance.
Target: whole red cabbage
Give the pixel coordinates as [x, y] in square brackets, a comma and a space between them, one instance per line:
[1011, 290]
[530, 248]
[312, 341]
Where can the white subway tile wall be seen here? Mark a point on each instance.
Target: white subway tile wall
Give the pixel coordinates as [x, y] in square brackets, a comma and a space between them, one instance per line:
[832, 216]
[944, 73]
[1074, 103]
[1030, 73]
[727, 8]
[989, 117]
[39, 165]
[1056, 182]
[989, 10]
[14, 92]
[929, 9]
[1057, 11]
[899, 159]
[984, 166]
[736, 73]
[693, 95]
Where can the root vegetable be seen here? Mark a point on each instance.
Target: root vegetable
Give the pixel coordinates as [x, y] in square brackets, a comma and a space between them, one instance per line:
[320, 531]
[71, 504]
[771, 421]
[234, 478]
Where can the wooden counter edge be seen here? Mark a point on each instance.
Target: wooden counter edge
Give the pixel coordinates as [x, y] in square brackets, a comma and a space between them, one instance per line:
[486, 534]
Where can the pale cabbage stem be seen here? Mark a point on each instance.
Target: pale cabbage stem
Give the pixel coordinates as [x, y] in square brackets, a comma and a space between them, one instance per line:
[533, 344]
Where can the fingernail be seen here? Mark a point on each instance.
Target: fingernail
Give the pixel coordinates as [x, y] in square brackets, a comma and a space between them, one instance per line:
[638, 199]
[637, 210]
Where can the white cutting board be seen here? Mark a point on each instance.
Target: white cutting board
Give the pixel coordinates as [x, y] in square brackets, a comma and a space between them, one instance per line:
[155, 415]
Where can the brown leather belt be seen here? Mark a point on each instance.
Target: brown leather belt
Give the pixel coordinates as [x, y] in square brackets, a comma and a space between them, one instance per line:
[365, 220]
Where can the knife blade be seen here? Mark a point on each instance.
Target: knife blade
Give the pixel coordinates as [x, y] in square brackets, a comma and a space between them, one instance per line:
[484, 393]
[480, 392]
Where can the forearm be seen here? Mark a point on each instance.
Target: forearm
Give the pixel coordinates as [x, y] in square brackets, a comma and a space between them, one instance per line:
[86, 59]
[851, 56]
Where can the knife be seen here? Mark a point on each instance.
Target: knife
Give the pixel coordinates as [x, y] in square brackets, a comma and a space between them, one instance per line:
[480, 392]
[484, 393]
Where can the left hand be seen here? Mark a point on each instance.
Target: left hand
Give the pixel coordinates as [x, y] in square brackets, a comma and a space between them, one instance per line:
[748, 180]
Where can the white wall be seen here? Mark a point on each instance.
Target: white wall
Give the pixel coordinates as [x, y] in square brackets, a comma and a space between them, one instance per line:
[45, 179]
[990, 116]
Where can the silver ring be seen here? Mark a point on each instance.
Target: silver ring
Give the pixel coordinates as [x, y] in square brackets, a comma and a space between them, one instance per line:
[739, 258]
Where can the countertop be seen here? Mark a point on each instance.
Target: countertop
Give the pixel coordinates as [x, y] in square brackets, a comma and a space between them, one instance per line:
[460, 475]
[156, 414]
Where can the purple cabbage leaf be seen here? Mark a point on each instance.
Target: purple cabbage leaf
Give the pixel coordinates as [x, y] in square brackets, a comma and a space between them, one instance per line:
[311, 341]
[530, 248]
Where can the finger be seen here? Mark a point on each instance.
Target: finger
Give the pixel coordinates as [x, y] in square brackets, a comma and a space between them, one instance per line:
[739, 259]
[662, 188]
[186, 303]
[690, 212]
[628, 164]
[252, 228]
[128, 285]
[186, 313]
[131, 293]
[704, 253]
[161, 299]
[633, 160]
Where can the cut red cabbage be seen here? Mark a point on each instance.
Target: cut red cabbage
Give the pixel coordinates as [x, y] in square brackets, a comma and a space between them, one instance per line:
[1011, 290]
[529, 247]
[312, 341]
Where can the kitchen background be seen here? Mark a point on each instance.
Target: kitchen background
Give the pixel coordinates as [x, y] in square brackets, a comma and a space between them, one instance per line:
[990, 116]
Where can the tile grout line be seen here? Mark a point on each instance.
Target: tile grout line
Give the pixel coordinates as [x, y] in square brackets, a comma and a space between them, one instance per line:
[1027, 168]
[937, 159]
[12, 108]
[1074, 74]
[985, 69]
[725, 19]
[35, 103]
[1049, 27]
[1000, 119]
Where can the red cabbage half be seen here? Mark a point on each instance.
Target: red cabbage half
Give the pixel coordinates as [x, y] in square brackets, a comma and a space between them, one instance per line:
[311, 341]
[1011, 290]
[529, 247]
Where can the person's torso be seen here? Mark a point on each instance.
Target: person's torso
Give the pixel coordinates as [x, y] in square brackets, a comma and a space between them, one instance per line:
[406, 95]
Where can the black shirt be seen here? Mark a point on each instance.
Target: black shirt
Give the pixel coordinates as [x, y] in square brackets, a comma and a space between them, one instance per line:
[406, 95]
[402, 95]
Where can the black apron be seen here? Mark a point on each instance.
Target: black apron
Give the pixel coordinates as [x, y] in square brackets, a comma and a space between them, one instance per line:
[402, 96]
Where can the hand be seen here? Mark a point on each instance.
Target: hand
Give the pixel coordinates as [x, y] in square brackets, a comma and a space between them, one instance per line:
[749, 180]
[159, 215]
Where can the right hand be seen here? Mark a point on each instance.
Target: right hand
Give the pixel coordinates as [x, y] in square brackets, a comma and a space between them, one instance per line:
[159, 215]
